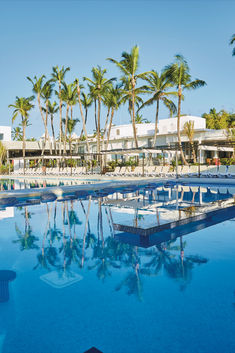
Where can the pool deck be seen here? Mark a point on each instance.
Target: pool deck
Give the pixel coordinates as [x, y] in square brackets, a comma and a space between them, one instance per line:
[103, 182]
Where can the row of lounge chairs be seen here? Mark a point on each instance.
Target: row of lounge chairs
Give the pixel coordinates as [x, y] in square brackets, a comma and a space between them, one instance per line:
[183, 171]
[57, 171]
[149, 171]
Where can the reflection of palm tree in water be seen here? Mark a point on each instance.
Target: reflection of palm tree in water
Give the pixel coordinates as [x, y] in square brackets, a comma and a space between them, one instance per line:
[61, 248]
[71, 247]
[85, 232]
[26, 238]
[49, 255]
[133, 281]
[178, 268]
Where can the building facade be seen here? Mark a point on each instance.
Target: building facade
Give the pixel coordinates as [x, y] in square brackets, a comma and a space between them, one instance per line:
[5, 133]
[121, 137]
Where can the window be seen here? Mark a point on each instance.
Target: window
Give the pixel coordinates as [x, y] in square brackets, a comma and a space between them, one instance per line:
[80, 149]
[118, 132]
[1, 137]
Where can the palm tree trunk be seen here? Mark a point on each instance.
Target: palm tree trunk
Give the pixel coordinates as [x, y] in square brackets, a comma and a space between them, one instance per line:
[105, 127]
[60, 107]
[53, 133]
[133, 114]
[156, 124]
[193, 152]
[178, 127]
[66, 128]
[43, 119]
[86, 110]
[98, 133]
[96, 125]
[110, 126]
[109, 131]
[23, 126]
[46, 133]
[83, 120]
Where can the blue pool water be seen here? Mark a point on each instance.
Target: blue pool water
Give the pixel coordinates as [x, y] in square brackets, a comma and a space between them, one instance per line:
[32, 183]
[79, 283]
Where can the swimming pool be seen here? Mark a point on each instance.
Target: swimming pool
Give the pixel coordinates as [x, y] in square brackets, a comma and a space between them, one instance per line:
[32, 183]
[80, 283]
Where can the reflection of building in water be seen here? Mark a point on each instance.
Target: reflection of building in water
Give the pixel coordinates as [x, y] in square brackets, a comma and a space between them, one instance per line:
[8, 212]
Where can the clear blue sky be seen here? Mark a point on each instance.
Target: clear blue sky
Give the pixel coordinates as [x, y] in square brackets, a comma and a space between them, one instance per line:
[36, 35]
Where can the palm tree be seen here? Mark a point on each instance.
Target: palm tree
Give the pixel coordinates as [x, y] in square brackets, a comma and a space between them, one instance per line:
[17, 133]
[99, 85]
[2, 153]
[189, 131]
[129, 66]
[68, 95]
[40, 90]
[232, 41]
[230, 134]
[22, 106]
[86, 101]
[82, 115]
[70, 126]
[52, 110]
[58, 75]
[46, 94]
[178, 73]
[158, 85]
[140, 120]
[116, 100]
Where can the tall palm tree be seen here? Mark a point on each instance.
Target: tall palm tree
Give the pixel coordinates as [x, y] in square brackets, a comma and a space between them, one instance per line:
[189, 131]
[129, 66]
[116, 99]
[232, 41]
[39, 88]
[158, 85]
[22, 107]
[178, 73]
[2, 153]
[68, 95]
[71, 124]
[94, 97]
[52, 110]
[47, 91]
[99, 83]
[17, 134]
[86, 101]
[82, 115]
[58, 75]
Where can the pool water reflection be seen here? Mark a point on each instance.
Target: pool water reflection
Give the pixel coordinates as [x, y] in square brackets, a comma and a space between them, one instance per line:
[77, 285]
[31, 183]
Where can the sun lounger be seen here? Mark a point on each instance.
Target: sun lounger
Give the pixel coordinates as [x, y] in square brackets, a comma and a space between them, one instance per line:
[184, 171]
[193, 170]
[231, 171]
[165, 170]
[157, 170]
[223, 171]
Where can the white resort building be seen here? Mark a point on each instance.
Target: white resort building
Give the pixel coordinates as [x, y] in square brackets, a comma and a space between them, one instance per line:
[207, 142]
[121, 137]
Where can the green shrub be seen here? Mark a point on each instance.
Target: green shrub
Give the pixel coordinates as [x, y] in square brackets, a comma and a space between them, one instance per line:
[4, 169]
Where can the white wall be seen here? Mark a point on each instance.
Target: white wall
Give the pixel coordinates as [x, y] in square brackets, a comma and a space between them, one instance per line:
[165, 126]
[6, 132]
